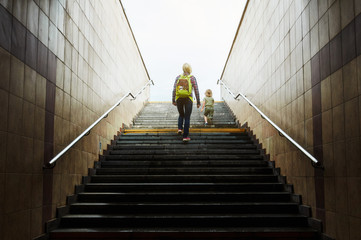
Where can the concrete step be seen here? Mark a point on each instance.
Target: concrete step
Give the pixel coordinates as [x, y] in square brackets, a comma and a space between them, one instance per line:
[171, 157]
[183, 187]
[184, 170]
[184, 163]
[188, 178]
[183, 220]
[215, 233]
[183, 208]
[184, 196]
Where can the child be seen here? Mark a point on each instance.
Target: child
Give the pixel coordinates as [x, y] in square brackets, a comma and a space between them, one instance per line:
[208, 103]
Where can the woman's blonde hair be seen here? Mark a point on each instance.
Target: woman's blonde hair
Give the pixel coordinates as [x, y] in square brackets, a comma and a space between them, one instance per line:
[187, 68]
[209, 93]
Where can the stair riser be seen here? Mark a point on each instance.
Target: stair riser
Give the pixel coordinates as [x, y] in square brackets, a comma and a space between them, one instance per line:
[174, 137]
[184, 179]
[178, 142]
[180, 146]
[188, 171]
[184, 222]
[173, 164]
[182, 157]
[165, 198]
[184, 188]
[183, 152]
[182, 209]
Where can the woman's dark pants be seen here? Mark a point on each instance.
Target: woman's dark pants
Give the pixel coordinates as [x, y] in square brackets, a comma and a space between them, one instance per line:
[184, 106]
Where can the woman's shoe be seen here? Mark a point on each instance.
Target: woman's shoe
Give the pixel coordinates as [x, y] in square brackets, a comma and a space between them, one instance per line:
[187, 139]
[179, 131]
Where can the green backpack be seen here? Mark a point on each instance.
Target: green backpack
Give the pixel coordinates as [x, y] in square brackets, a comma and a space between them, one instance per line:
[184, 87]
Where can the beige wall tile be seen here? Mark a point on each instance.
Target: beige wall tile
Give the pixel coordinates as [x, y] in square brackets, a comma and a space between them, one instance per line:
[326, 94]
[353, 153]
[40, 123]
[17, 72]
[327, 133]
[330, 194]
[67, 80]
[352, 118]
[7, 4]
[342, 227]
[349, 76]
[338, 122]
[3, 152]
[4, 105]
[15, 115]
[53, 38]
[322, 8]
[44, 5]
[306, 20]
[355, 230]
[2, 195]
[358, 67]
[329, 160]
[60, 71]
[32, 22]
[44, 28]
[37, 165]
[309, 132]
[339, 149]
[5, 64]
[354, 195]
[307, 76]
[37, 190]
[61, 46]
[336, 88]
[357, 7]
[17, 225]
[313, 13]
[30, 84]
[311, 197]
[342, 193]
[36, 228]
[324, 29]
[68, 54]
[40, 91]
[59, 100]
[28, 119]
[19, 10]
[58, 130]
[330, 228]
[347, 12]
[315, 43]
[57, 197]
[335, 19]
[16, 200]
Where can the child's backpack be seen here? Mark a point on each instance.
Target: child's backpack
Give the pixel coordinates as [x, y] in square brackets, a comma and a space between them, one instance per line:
[184, 87]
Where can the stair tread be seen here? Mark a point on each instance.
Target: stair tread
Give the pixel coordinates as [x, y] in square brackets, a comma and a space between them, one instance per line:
[187, 229]
[184, 193]
[172, 215]
[185, 203]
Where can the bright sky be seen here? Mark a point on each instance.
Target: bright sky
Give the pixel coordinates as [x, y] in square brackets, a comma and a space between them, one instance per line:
[172, 32]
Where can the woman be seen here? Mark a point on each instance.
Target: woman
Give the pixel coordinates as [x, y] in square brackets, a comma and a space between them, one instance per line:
[182, 98]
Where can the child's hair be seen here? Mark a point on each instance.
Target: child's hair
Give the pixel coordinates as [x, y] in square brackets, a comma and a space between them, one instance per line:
[209, 93]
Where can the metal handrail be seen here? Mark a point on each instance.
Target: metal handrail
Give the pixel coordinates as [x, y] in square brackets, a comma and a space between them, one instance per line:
[315, 162]
[51, 164]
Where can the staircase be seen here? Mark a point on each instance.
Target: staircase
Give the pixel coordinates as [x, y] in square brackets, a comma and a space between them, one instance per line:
[150, 185]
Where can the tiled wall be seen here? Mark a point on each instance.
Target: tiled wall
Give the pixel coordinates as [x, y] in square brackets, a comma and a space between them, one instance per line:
[299, 62]
[63, 63]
